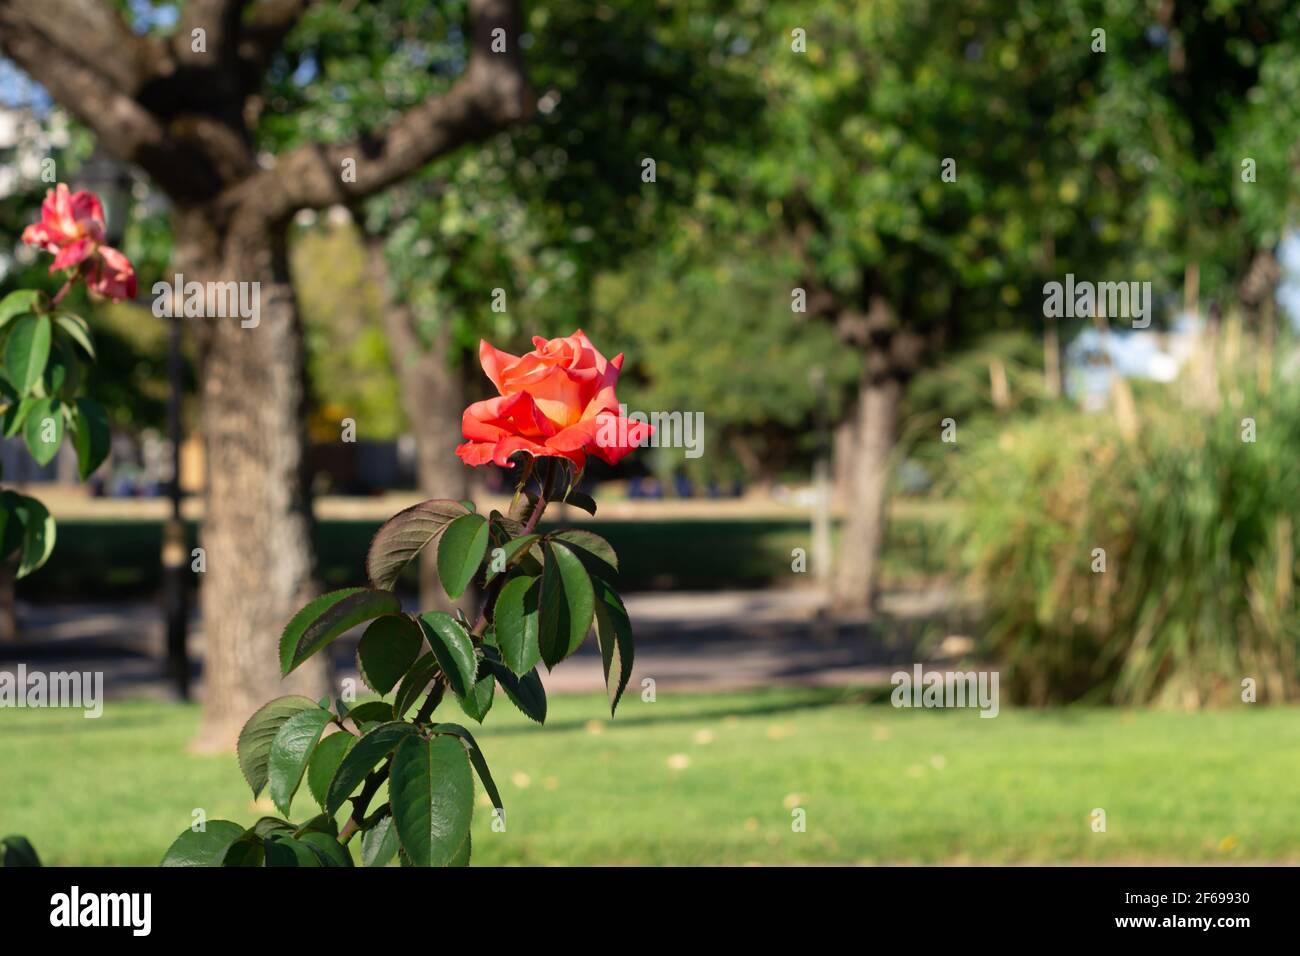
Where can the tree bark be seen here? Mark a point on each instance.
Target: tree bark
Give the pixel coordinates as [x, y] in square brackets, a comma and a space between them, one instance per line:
[257, 532]
[863, 529]
[893, 355]
[432, 386]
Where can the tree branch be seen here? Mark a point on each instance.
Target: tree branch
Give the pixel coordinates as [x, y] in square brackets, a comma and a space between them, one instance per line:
[492, 93]
[89, 32]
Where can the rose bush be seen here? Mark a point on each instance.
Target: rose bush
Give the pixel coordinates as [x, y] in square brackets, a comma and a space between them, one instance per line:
[46, 350]
[543, 592]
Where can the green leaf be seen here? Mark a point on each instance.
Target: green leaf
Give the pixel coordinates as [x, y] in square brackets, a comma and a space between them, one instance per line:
[566, 605]
[286, 851]
[461, 858]
[478, 701]
[18, 851]
[77, 329]
[27, 351]
[324, 764]
[372, 711]
[255, 739]
[329, 616]
[476, 758]
[18, 302]
[596, 554]
[361, 759]
[414, 684]
[511, 552]
[43, 430]
[526, 692]
[329, 851]
[290, 751]
[30, 527]
[379, 843]
[453, 650]
[460, 552]
[404, 535]
[91, 436]
[432, 795]
[248, 850]
[614, 634]
[515, 622]
[580, 500]
[387, 650]
[205, 848]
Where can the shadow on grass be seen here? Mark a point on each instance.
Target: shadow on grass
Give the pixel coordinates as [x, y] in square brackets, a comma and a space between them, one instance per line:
[809, 700]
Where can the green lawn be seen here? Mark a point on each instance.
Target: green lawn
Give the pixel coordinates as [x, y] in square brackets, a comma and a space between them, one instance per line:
[712, 779]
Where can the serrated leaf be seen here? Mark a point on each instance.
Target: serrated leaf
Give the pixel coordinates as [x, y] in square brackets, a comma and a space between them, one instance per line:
[404, 535]
[515, 622]
[258, 733]
[372, 711]
[379, 843]
[387, 650]
[43, 430]
[290, 751]
[614, 634]
[325, 762]
[329, 616]
[414, 684]
[432, 795]
[27, 350]
[596, 554]
[361, 759]
[478, 701]
[460, 552]
[205, 848]
[527, 692]
[511, 552]
[452, 649]
[566, 604]
[476, 758]
[91, 436]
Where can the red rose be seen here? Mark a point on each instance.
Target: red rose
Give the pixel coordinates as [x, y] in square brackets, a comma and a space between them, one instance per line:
[556, 400]
[72, 229]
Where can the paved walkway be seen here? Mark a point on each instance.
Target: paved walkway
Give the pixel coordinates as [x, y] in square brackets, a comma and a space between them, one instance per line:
[685, 641]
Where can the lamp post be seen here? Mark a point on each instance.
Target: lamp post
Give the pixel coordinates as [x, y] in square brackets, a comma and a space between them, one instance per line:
[111, 182]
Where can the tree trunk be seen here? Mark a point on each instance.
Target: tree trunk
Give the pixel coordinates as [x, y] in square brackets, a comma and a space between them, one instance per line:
[863, 529]
[432, 386]
[257, 530]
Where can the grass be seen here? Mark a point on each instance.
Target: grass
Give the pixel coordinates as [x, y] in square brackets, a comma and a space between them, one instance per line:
[707, 779]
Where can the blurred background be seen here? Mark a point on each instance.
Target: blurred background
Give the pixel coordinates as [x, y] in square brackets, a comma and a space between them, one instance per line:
[827, 227]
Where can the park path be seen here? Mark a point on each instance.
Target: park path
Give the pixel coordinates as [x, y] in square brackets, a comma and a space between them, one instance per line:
[725, 640]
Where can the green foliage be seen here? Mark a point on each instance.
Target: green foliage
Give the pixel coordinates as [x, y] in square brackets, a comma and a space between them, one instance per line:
[45, 353]
[540, 607]
[1199, 537]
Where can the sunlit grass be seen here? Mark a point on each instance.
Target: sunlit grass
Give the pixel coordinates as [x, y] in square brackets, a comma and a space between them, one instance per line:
[700, 779]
